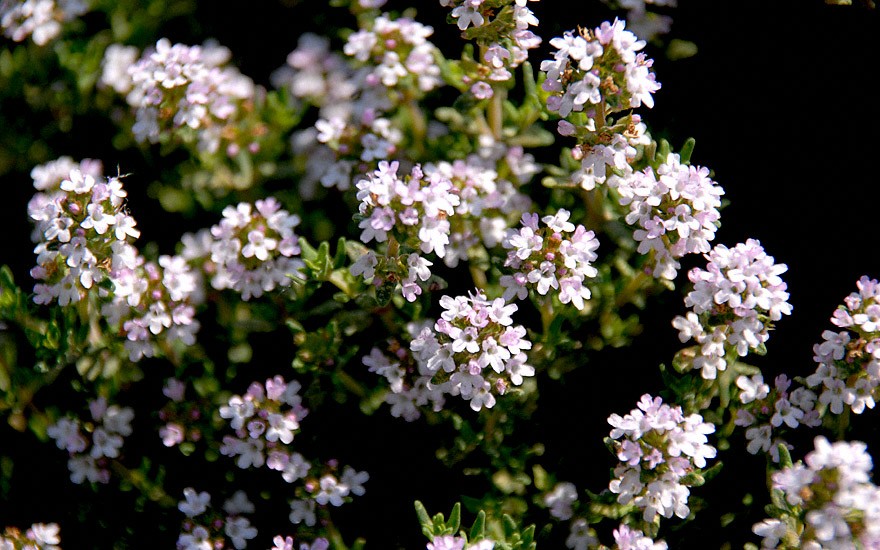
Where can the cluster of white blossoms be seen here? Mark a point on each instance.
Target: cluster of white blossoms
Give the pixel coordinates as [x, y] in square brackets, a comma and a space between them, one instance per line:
[152, 300]
[765, 410]
[82, 231]
[658, 446]
[486, 202]
[674, 210]
[832, 501]
[265, 420]
[555, 255]
[40, 19]
[398, 53]
[598, 72]
[253, 249]
[99, 441]
[189, 91]
[39, 536]
[474, 350]
[410, 213]
[206, 528]
[609, 158]
[734, 302]
[849, 361]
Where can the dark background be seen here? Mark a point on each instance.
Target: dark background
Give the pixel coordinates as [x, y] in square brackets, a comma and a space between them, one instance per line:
[782, 103]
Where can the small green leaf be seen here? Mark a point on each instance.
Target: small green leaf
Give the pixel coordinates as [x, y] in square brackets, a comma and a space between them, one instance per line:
[687, 150]
[784, 456]
[454, 518]
[478, 529]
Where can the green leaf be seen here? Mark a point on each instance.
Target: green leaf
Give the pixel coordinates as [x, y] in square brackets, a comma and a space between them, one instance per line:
[687, 150]
[424, 519]
[478, 529]
[784, 456]
[454, 518]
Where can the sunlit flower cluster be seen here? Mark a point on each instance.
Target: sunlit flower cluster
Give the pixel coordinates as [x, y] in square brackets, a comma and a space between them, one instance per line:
[254, 249]
[474, 350]
[734, 303]
[598, 72]
[398, 52]
[410, 213]
[554, 254]
[658, 446]
[674, 210]
[188, 91]
[849, 361]
[82, 231]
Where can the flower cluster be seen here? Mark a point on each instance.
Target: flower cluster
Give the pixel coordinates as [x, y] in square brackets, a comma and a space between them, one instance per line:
[264, 419]
[609, 158]
[598, 73]
[765, 410]
[474, 350]
[830, 497]
[485, 204]
[674, 210]
[188, 91]
[205, 527]
[39, 536]
[81, 230]
[411, 214]
[556, 255]
[658, 446]
[151, 300]
[504, 38]
[254, 249]
[849, 360]
[40, 19]
[735, 301]
[399, 53]
[102, 441]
